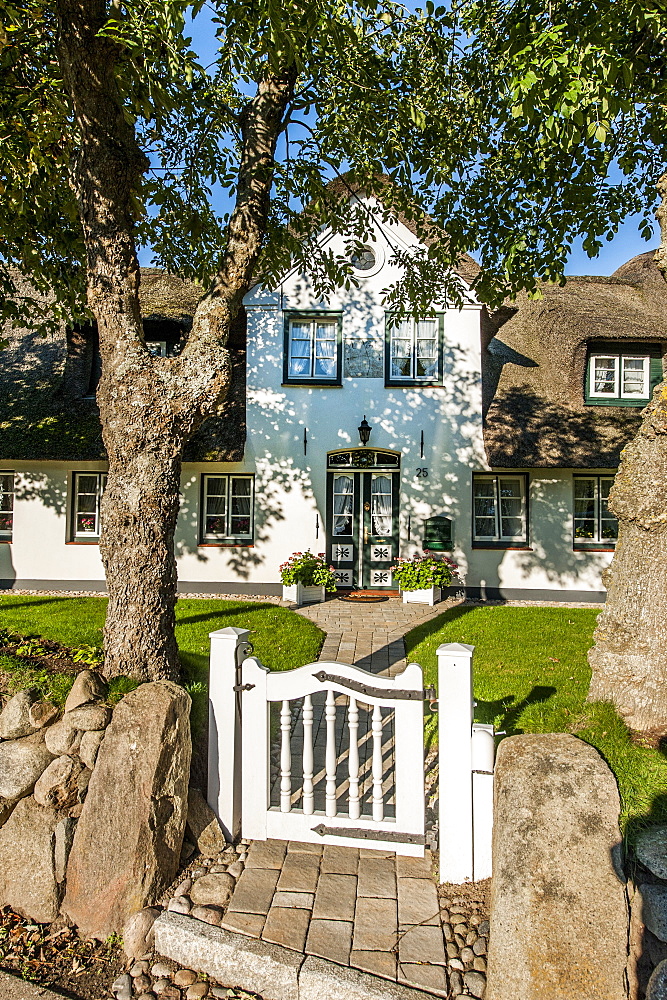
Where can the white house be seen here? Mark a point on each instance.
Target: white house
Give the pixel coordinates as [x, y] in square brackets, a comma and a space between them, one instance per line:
[491, 437]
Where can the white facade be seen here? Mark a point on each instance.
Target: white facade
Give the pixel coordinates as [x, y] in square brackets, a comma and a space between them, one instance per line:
[433, 432]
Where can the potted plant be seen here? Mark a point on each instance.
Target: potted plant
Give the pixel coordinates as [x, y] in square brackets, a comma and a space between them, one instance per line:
[421, 578]
[306, 578]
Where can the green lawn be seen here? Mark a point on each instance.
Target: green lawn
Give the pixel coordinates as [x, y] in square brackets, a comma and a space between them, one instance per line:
[281, 638]
[531, 676]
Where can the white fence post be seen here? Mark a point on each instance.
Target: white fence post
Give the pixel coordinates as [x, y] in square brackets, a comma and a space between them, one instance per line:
[224, 728]
[483, 758]
[455, 714]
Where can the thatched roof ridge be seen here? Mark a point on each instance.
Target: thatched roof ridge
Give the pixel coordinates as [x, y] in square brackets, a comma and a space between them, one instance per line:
[534, 361]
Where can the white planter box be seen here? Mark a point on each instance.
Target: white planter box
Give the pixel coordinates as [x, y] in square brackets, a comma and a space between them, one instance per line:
[430, 595]
[299, 594]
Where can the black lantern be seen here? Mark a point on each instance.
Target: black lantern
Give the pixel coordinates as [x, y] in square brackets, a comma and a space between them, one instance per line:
[364, 430]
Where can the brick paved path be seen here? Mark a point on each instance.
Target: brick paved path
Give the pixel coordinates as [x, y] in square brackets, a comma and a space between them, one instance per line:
[370, 910]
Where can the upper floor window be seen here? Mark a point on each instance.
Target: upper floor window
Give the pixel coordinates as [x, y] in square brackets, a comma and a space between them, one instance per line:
[622, 375]
[414, 351]
[313, 349]
[228, 508]
[88, 490]
[6, 505]
[594, 524]
[500, 510]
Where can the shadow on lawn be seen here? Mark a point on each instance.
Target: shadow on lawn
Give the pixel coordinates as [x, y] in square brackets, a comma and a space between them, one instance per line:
[428, 628]
[488, 711]
[31, 604]
[242, 609]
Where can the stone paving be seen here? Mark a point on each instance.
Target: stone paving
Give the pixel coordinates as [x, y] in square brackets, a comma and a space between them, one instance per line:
[370, 910]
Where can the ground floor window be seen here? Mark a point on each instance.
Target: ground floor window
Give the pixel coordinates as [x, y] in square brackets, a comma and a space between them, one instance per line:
[594, 524]
[499, 510]
[6, 505]
[228, 508]
[88, 490]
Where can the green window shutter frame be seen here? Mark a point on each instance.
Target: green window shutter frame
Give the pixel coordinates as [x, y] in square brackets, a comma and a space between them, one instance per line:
[652, 351]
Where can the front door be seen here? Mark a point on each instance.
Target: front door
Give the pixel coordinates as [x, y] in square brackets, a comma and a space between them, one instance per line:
[362, 524]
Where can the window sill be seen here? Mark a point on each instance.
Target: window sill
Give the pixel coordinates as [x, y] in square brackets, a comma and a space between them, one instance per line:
[412, 384]
[593, 548]
[83, 541]
[6, 541]
[307, 383]
[501, 545]
[225, 545]
[635, 403]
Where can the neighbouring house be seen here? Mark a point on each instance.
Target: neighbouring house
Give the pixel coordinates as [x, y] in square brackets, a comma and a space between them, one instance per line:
[493, 438]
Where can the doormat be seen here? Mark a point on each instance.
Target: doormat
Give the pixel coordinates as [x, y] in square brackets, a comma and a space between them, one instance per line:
[364, 597]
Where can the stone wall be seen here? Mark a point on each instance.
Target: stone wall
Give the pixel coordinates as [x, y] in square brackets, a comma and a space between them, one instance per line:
[93, 802]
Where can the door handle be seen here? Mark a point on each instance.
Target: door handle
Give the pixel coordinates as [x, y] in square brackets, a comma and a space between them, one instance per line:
[365, 536]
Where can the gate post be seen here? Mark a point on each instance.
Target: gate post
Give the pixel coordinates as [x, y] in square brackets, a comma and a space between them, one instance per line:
[228, 649]
[455, 715]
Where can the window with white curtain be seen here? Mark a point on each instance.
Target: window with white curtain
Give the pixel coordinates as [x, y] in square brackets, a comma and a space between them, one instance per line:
[499, 509]
[343, 503]
[380, 504]
[594, 524]
[414, 350]
[228, 503]
[88, 490]
[313, 349]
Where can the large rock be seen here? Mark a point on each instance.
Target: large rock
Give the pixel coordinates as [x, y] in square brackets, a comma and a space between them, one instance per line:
[63, 737]
[88, 687]
[652, 901]
[58, 786]
[21, 763]
[203, 825]
[15, 717]
[559, 924]
[88, 717]
[90, 744]
[27, 864]
[128, 840]
[651, 849]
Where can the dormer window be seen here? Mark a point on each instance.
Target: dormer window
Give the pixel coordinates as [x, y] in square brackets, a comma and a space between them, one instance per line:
[313, 349]
[622, 374]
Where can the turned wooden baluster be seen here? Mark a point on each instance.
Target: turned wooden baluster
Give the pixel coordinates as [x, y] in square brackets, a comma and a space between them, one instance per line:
[285, 759]
[354, 808]
[308, 799]
[330, 715]
[378, 803]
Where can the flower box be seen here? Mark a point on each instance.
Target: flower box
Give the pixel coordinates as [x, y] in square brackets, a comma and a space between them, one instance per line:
[429, 595]
[300, 594]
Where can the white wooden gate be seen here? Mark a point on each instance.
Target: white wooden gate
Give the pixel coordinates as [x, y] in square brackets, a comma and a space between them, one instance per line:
[361, 783]
[373, 798]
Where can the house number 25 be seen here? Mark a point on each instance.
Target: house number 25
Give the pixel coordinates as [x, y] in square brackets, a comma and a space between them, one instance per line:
[422, 473]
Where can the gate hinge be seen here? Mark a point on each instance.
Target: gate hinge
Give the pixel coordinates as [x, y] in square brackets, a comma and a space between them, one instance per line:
[243, 687]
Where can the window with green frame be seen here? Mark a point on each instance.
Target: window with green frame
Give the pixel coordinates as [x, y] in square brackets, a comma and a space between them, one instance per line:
[228, 507]
[313, 349]
[622, 374]
[594, 524]
[413, 352]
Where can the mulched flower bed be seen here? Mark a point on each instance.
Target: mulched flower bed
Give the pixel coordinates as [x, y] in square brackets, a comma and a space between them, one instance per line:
[54, 955]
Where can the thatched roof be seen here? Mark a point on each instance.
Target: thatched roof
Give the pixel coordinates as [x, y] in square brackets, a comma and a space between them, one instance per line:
[534, 360]
[44, 414]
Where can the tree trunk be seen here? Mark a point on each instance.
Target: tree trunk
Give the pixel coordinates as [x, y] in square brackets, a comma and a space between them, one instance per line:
[629, 659]
[150, 406]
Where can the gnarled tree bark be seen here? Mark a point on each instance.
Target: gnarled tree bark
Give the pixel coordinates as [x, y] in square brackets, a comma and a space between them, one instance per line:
[150, 406]
[629, 659]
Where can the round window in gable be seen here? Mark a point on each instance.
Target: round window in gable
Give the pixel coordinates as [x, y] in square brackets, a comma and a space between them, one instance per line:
[364, 260]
